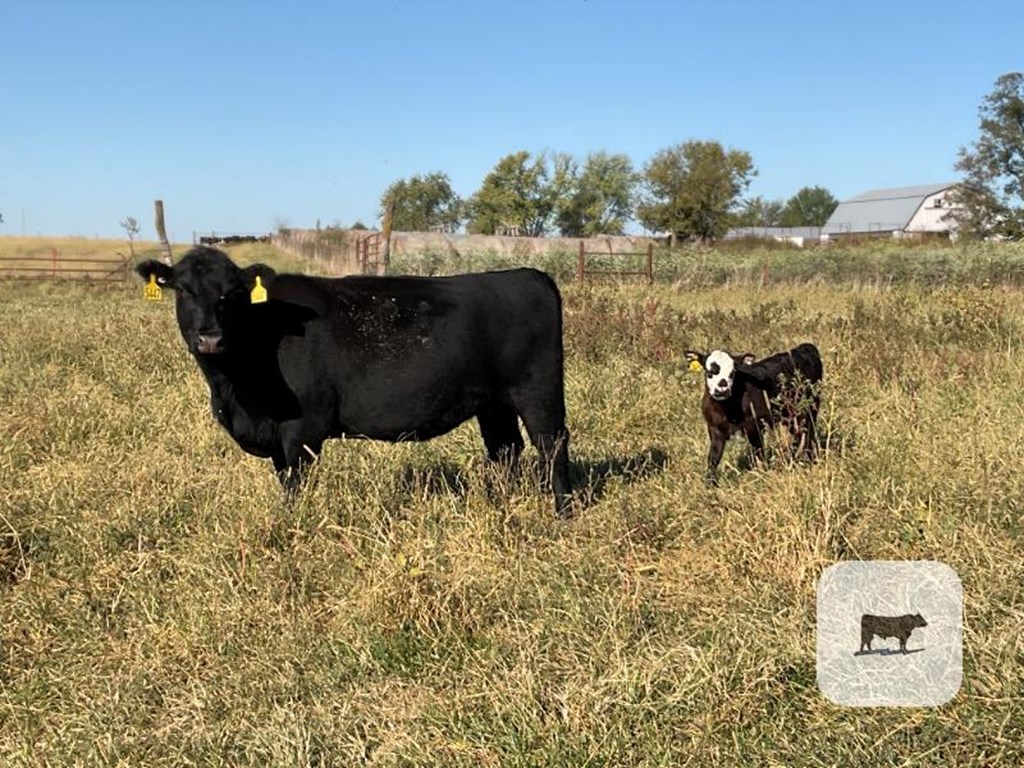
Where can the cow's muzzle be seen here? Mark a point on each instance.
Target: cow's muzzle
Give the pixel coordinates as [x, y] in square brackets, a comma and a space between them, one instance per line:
[210, 343]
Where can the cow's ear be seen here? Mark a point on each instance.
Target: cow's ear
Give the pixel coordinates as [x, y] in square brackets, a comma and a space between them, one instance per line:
[747, 358]
[164, 274]
[257, 279]
[262, 271]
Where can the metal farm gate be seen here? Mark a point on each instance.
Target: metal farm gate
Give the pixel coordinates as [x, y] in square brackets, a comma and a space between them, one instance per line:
[583, 271]
[56, 266]
[370, 254]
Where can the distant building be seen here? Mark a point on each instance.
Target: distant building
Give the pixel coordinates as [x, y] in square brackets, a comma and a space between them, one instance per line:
[899, 212]
[797, 236]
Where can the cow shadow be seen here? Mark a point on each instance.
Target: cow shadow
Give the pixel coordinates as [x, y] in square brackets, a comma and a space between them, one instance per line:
[888, 652]
[590, 478]
[440, 479]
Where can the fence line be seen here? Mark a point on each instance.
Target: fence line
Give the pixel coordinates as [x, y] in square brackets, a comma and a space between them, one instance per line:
[68, 267]
[341, 251]
[582, 270]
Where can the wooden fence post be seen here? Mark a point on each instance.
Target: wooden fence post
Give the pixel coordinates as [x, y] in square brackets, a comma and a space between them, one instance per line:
[581, 264]
[385, 253]
[161, 232]
[649, 263]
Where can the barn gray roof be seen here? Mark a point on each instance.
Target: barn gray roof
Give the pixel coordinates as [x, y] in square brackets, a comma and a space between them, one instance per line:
[880, 210]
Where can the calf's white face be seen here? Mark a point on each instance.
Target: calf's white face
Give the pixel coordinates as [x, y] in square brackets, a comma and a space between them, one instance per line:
[720, 370]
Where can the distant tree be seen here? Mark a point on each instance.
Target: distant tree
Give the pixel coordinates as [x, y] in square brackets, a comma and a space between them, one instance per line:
[422, 203]
[514, 195]
[691, 189]
[595, 198]
[131, 228]
[759, 212]
[992, 191]
[810, 207]
[357, 224]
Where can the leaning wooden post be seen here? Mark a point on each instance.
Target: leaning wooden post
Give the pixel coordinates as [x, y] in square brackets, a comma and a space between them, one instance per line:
[649, 263]
[581, 265]
[161, 232]
[385, 254]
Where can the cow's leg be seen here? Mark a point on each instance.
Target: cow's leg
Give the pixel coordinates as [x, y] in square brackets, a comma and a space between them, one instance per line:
[499, 425]
[543, 414]
[293, 458]
[290, 475]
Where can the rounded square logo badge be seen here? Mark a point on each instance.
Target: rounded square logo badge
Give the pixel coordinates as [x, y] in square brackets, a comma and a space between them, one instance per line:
[890, 633]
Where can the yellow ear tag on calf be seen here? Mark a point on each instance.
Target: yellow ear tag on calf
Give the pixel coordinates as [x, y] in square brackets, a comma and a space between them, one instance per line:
[695, 365]
[151, 291]
[259, 293]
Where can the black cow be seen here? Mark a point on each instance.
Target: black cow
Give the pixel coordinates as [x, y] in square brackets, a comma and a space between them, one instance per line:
[386, 358]
[748, 396]
[899, 627]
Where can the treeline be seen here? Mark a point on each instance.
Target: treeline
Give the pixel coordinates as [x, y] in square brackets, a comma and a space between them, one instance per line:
[690, 191]
[693, 190]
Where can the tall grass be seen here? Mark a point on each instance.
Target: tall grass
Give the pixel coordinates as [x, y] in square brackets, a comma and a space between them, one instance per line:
[160, 605]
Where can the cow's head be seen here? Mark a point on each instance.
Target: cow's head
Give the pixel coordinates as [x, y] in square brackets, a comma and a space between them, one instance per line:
[212, 296]
[720, 369]
[918, 620]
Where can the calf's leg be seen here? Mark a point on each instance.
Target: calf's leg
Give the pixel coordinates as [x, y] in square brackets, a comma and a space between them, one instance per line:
[717, 447]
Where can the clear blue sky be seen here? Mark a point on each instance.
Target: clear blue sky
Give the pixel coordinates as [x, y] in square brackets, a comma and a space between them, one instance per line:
[243, 116]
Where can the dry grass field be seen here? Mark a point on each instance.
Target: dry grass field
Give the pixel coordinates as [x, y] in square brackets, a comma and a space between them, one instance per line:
[161, 606]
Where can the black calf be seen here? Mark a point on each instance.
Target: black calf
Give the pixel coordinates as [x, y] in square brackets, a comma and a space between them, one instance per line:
[742, 395]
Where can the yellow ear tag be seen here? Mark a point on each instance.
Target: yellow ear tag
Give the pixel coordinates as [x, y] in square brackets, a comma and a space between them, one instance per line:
[259, 293]
[695, 365]
[151, 291]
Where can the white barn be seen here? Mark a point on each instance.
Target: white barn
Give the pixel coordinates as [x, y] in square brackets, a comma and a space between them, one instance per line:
[899, 212]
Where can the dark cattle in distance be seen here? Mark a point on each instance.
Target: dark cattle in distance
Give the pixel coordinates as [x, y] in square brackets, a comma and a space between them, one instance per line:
[744, 395]
[385, 358]
[232, 239]
[888, 626]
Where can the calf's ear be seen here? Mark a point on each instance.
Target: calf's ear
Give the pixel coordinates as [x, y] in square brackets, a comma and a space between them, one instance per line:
[164, 274]
[747, 358]
[693, 356]
[755, 373]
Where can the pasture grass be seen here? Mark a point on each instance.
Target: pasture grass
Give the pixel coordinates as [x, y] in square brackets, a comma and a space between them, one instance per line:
[160, 605]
